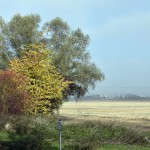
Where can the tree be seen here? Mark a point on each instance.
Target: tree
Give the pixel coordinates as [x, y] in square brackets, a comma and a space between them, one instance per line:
[45, 83]
[71, 57]
[14, 98]
[23, 31]
[5, 53]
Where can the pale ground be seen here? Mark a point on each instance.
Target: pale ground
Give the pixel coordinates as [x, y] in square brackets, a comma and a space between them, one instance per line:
[132, 112]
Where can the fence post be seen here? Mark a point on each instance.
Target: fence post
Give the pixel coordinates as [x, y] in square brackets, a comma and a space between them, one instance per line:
[59, 129]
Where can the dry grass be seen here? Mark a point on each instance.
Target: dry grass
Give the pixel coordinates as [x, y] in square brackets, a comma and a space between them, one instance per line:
[137, 112]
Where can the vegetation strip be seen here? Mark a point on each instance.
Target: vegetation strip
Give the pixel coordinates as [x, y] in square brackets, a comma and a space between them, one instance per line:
[41, 133]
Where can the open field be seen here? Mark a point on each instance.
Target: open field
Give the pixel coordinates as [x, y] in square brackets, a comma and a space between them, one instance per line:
[129, 111]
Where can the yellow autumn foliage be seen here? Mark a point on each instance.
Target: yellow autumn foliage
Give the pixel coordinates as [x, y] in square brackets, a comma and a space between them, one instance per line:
[45, 83]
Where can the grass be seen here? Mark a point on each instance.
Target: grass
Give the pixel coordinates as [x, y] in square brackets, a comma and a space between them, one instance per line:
[81, 131]
[122, 147]
[4, 136]
[41, 133]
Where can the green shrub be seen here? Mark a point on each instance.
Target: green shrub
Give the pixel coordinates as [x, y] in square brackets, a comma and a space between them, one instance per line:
[29, 131]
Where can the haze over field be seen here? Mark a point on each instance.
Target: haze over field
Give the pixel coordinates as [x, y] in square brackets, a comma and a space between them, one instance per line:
[119, 32]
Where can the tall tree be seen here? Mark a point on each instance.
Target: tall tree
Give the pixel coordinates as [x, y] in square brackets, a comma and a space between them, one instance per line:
[71, 57]
[5, 53]
[23, 31]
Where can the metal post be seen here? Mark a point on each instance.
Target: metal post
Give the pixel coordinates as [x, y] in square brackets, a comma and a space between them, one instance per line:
[59, 129]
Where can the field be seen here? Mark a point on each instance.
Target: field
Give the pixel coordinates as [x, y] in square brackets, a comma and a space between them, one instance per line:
[137, 112]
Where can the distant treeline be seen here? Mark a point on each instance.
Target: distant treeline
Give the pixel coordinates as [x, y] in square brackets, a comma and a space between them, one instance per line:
[119, 97]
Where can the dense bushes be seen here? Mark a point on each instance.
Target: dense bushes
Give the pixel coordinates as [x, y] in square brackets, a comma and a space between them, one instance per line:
[28, 132]
[14, 98]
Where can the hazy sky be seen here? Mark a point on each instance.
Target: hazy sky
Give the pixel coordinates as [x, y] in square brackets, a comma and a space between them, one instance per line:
[119, 32]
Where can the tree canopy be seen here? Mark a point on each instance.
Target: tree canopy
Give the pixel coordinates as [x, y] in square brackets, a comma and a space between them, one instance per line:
[5, 53]
[23, 30]
[70, 55]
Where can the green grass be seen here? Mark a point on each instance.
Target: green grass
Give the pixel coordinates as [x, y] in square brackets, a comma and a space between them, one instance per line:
[103, 147]
[41, 133]
[122, 147]
[46, 145]
[4, 136]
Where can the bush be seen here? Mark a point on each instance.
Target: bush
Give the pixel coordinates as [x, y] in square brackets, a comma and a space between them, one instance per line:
[29, 132]
[14, 99]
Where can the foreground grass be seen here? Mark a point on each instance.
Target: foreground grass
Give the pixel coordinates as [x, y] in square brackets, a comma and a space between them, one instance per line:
[41, 133]
[46, 145]
[122, 147]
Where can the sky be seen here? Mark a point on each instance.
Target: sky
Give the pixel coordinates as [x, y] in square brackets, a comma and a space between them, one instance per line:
[119, 31]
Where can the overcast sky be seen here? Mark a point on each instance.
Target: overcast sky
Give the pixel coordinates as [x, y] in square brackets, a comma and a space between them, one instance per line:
[119, 31]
